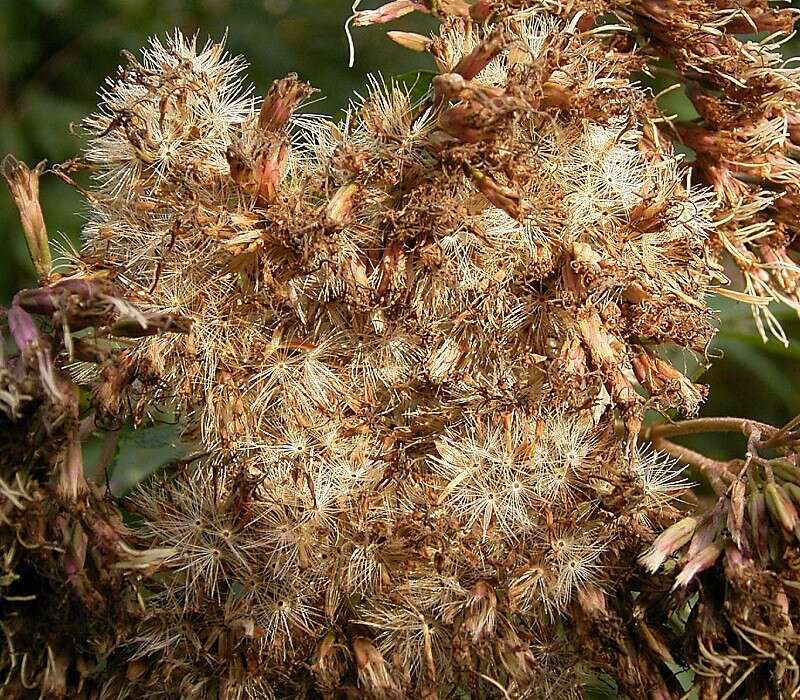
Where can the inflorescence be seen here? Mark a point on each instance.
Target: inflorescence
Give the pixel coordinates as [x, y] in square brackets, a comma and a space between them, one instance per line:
[414, 348]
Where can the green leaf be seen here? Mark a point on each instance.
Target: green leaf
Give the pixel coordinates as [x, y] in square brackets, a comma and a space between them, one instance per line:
[140, 453]
[771, 376]
[143, 452]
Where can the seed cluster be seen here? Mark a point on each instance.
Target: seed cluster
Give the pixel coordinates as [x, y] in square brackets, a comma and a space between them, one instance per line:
[410, 330]
[415, 347]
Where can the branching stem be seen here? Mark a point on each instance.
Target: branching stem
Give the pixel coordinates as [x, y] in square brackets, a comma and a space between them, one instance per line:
[785, 432]
[716, 472]
[696, 426]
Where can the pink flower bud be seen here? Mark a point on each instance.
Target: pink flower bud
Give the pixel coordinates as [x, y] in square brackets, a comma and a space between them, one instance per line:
[388, 13]
[502, 197]
[410, 40]
[480, 57]
[482, 10]
[269, 172]
[703, 560]
[667, 543]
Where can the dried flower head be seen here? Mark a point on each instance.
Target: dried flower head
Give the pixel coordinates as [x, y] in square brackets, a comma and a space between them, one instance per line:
[415, 347]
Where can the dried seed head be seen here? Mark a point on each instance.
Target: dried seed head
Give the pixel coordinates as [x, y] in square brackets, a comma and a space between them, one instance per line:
[283, 98]
[412, 332]
[24, 185]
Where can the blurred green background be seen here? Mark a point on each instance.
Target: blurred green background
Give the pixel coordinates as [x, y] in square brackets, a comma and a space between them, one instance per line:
[54, 54]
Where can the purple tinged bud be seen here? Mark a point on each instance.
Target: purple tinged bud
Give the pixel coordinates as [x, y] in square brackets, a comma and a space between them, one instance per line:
[388, 12]
[759, 525]
[708, 532]
[704, 559]
[38, 301]
[734, 558]
[23, 328]
[84, 288]
[667, 543]
[780, 507]
[47, 300]
[35, 353]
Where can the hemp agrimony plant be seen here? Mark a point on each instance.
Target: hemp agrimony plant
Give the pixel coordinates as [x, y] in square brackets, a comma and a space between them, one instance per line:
[413, 350]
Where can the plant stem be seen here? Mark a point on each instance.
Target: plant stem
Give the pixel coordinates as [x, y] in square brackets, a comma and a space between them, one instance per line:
[715, 471]
[695, 426]
[776, 438]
